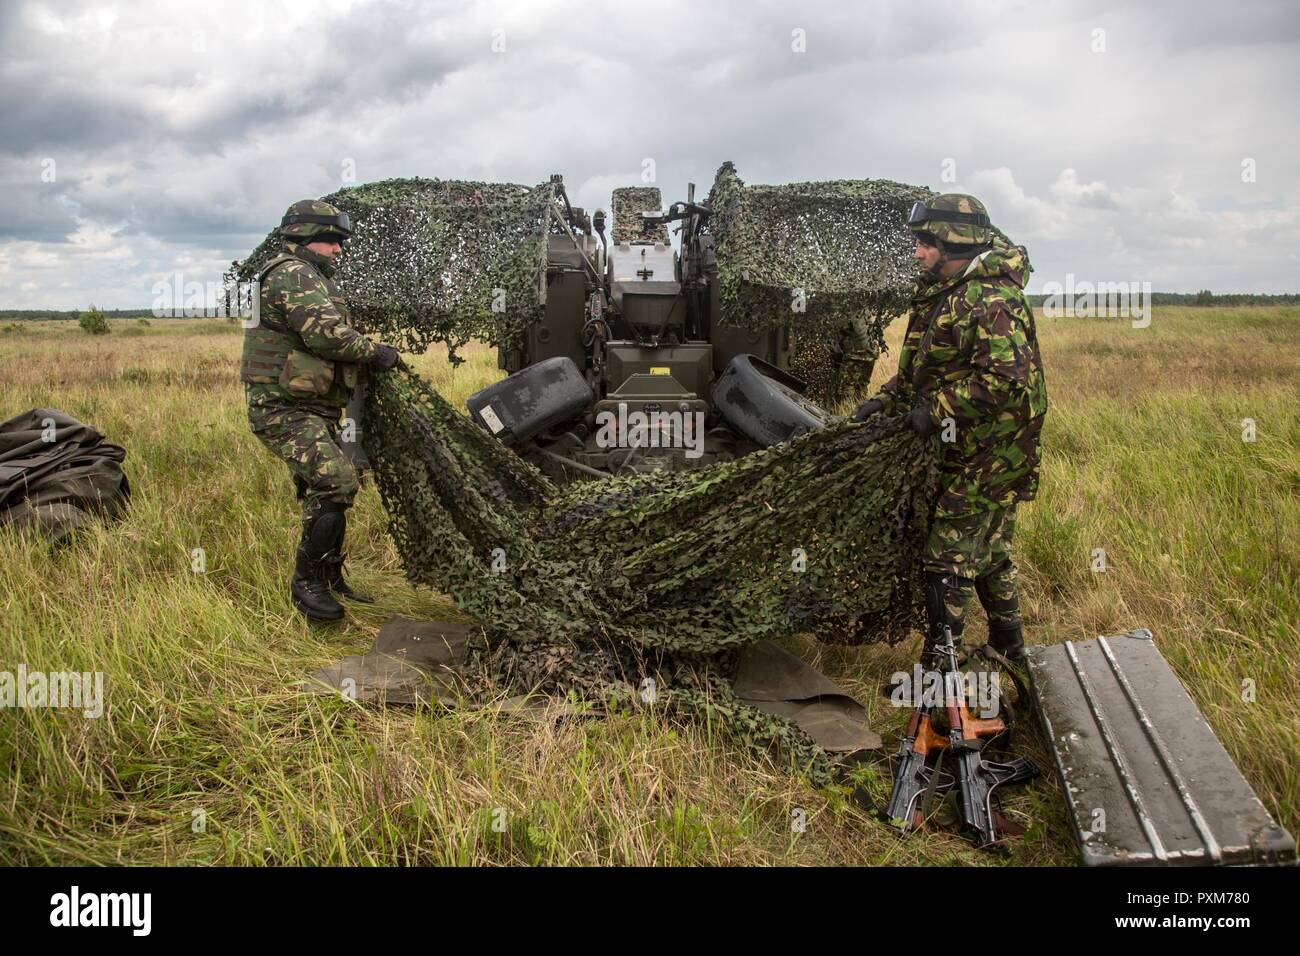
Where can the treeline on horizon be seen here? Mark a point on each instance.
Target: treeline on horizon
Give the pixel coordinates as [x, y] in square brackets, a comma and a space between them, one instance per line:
[74, 314]
[1204, 297]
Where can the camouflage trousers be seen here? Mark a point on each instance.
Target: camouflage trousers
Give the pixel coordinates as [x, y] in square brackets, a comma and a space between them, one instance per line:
[975, 549]
[855, 373]
[308, 440]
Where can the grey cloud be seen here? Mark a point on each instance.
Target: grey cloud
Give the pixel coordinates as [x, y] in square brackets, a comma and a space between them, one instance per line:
[60, 95]
[1241, 23]
[36, 211]
[48, 115]
[187, 155]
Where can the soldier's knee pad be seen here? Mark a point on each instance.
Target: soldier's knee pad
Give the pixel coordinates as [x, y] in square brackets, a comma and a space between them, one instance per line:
[336, 480]
[322, 524]
[946, 598]
[999, 597]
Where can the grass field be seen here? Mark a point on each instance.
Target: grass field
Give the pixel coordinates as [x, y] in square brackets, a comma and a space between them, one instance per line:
[207, 753]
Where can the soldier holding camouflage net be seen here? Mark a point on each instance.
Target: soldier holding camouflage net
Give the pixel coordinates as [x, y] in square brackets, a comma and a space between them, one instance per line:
[299, 367]
[970, 370]
[856, 351]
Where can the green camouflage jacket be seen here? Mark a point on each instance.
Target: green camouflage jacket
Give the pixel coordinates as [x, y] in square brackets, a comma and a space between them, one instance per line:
[971, 354]
[303, 348]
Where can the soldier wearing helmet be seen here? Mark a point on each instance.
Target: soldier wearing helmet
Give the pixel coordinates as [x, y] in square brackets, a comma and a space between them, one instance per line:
[855, 352]
[970, 373]
[299, 367]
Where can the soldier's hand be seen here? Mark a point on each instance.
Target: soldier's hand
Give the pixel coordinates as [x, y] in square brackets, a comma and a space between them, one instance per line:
[918, 419]
[867, 409]
[385, 357]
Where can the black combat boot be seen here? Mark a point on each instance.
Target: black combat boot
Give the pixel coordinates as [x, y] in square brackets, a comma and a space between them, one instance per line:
[309, 589]
[1005, 633]
[1008, 639]
[938, 587]
[332, 564]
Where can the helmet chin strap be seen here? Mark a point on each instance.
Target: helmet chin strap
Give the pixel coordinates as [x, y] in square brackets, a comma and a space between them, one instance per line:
[932, 274]
[935, 273]
[946, 257]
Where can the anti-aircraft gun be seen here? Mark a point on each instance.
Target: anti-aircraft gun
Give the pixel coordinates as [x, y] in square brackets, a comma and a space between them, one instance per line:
[633, 366]
[627, 351]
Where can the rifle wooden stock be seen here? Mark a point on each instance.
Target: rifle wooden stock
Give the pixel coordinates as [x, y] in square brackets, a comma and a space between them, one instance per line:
[976, 778]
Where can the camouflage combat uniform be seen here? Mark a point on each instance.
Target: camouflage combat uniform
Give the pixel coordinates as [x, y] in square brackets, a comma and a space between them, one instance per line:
[971, 357]
[300, 365]
[299, 368]
[856, 353]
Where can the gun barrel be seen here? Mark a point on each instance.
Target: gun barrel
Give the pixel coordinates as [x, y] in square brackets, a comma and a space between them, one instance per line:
[909, 784]
[976, 798]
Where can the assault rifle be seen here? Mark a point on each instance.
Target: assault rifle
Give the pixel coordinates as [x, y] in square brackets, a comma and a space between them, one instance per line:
[916, 783]
[352, 447]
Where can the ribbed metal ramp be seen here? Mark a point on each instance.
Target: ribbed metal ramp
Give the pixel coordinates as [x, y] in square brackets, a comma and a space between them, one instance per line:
[1146, 780]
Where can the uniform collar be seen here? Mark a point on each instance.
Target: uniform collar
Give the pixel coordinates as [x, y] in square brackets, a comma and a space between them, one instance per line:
[323, 263]
[923, 290]
[975, 263]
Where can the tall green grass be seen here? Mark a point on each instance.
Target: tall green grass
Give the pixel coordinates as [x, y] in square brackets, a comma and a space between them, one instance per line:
[208, 751]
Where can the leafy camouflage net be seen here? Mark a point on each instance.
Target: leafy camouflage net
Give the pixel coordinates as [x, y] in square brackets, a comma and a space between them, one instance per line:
[663, 576]
[844, 243]
[439, 261]
[627, 204]
[594, 589]
[450, 261]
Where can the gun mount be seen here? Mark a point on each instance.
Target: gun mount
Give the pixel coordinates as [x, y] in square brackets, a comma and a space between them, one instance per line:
[631, 367]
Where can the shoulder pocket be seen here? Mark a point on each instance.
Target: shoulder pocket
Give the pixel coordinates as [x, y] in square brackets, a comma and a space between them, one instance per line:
[306, 376]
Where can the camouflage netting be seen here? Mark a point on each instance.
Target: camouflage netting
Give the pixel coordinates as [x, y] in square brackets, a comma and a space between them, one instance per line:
[664, 576]
[627, 204]
[439, 261]
[450, 261]
[844, 243]
[596, 588]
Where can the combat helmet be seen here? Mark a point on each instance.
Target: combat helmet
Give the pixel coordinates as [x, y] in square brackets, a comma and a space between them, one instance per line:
[958, 224]
[310, 220]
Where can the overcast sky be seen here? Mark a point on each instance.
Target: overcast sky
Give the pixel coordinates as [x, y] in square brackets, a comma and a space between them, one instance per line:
[1149, 142]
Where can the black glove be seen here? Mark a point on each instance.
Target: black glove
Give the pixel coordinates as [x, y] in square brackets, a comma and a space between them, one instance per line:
[918, 419]
[867, 409]
[385, 357]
